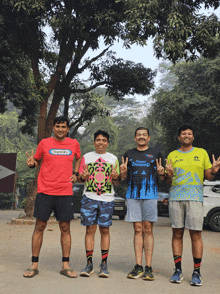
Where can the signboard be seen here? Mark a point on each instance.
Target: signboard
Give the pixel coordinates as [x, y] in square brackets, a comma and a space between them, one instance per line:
[7, 172]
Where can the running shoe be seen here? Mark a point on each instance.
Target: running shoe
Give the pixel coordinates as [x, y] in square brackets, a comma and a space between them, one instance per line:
[177, 276]
[148, 274]
[196, 279]
[136, 273]
[104, 273]
[88, 270]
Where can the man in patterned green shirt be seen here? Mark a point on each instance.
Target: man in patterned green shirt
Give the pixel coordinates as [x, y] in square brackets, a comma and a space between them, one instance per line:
[186, 169]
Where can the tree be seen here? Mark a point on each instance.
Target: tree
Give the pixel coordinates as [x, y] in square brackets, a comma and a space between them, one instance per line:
[178, 28]
[194, 99]
[76, 27]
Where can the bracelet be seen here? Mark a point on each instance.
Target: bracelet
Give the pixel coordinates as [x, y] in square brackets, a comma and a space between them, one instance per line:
[76, 173]
[33, 166]
[82, 180]
[214, 174]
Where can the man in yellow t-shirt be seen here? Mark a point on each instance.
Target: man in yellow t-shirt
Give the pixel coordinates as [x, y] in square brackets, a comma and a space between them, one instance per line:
[186, 169]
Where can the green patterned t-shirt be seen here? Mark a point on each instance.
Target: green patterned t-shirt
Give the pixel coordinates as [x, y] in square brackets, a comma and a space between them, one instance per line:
[189, 167]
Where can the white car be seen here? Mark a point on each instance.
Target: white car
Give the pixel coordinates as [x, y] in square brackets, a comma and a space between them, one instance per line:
[211, 202]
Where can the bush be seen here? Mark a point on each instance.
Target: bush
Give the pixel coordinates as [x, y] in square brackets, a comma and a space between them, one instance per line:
[7, 200]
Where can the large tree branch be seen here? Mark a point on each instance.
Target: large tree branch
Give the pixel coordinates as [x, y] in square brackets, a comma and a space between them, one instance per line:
[94, 59]
[89, 88]
[79, 53]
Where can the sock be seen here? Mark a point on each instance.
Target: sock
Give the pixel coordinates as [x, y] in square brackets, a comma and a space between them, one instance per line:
[104, 255]
[89, 254]
[177, 261]
[197, 264]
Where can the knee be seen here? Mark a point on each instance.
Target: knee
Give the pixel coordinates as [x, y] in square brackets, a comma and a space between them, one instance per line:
[178, 234]
[104, 231]
[138, 230]
[195, 236]
[90, 230]
[147, 231]
[65, 227]
[40, 226]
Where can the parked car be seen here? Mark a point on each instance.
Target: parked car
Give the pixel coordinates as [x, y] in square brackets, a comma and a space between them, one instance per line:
[212, 204]
[163, 208]
[120, 207]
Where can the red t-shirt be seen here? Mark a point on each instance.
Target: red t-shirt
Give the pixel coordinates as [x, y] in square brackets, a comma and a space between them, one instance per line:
[57, 165]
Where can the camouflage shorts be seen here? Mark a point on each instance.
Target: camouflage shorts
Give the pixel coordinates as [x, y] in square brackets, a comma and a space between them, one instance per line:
[96, 212]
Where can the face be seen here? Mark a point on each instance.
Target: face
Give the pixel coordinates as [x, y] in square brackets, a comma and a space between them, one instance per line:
[60, 131]
[101, 144]
[186, 137]
[142, 138]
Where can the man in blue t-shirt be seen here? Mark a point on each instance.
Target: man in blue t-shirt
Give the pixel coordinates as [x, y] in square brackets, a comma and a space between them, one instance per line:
[140, 168]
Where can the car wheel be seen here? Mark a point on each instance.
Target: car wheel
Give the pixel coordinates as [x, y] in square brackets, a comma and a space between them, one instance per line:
[214, 221]
[121, 217]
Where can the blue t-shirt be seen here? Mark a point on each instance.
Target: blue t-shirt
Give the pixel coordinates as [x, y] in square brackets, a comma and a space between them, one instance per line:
[142, 174]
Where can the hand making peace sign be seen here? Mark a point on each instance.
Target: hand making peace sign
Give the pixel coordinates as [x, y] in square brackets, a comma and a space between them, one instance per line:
[114, 173]
[160, 168]
[215, 164]
[30, 161]
[169, 168]
[85, 173]
[124, 165]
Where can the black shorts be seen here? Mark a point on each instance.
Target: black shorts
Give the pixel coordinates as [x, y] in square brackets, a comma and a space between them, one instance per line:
[61, 205]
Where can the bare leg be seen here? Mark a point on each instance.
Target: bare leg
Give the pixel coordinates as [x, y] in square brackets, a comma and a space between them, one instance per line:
[148, 241]
[37, 240]
[66, 245]
[138, 241]
[90, 236]
[177, 241]
[105, 238]
[197, 244]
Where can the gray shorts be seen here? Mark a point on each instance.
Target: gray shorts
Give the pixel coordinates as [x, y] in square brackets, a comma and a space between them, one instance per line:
[141, 209]
[186, 214]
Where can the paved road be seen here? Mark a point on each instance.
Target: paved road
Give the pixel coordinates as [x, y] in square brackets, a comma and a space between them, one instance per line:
[15, 256]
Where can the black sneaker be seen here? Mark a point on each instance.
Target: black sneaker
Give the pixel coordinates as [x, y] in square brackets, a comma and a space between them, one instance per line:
[136, 273]
[148, 274]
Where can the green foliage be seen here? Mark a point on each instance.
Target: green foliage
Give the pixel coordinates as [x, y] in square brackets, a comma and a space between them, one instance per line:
[13, 141]
[16, 86]
[7, 200]
[178, 28]
[195, 100]
[124, 117]
[75, 27]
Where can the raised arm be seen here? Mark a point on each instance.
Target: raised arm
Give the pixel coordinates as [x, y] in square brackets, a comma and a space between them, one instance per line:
[211, 172]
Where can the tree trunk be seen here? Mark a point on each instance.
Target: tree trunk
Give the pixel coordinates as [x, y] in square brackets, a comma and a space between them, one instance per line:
[31, 195]
[32, 189]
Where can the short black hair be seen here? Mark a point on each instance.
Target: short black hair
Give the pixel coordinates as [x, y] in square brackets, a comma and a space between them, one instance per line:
[142, 128]
[103, 133]
[185, 127]
[61, 119]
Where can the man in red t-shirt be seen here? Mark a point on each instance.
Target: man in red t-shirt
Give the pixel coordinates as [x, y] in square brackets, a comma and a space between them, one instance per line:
[54, 191]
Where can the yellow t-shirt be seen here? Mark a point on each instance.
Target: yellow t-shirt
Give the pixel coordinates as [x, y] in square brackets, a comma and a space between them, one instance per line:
[187, 183]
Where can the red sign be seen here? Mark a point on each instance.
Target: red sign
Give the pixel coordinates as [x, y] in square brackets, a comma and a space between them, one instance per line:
[7, 172]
